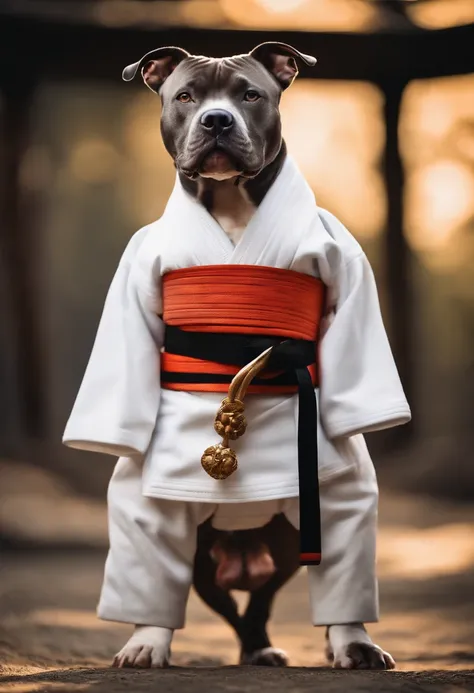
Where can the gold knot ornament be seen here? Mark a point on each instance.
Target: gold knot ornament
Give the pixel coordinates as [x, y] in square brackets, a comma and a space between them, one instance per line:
[219, 460]
[230, 421]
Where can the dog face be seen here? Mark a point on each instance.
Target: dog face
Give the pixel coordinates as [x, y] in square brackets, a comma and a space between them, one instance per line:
[220, 116]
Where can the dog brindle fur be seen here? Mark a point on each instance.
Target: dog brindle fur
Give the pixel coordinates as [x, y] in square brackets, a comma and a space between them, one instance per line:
[221, 125]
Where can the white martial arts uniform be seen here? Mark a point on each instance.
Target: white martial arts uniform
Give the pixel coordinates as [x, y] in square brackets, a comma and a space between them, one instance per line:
[159, 492]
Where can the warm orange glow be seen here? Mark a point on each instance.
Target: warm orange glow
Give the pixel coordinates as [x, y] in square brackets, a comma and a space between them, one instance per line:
[148, 174]
[203, 13]
[94, 160]
[67, 618]
[437, 141]
[440, 198]
[282, 5]
[439, 14]
[464, 145]
[436, 113]
[335, 133]
[304, 15]
[425, 553]
[116, 13]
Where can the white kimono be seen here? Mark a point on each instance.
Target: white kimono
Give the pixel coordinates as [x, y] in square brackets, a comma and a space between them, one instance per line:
[121, 409]
[161, 434]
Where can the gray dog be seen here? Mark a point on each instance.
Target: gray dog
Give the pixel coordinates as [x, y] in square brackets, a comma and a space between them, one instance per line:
[221, 125]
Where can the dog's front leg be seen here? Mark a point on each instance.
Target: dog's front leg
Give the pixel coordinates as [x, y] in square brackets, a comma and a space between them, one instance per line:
[149, 646]
[350, 647]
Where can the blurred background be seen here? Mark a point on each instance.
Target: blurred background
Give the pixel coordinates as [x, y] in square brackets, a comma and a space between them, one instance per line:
[383, 129]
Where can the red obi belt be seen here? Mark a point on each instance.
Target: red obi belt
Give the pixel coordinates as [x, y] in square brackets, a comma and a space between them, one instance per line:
[244, 329]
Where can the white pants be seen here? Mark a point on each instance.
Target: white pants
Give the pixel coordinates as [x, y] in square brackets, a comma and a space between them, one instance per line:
[148, 573]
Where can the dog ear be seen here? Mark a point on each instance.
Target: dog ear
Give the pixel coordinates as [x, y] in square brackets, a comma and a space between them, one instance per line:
[280, 59]
[156, 66]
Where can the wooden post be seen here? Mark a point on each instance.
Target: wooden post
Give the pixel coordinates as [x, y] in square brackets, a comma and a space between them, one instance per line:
[397, 254]
[22, 260]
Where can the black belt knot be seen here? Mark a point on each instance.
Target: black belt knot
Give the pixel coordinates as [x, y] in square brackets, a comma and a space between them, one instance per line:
[293, 356]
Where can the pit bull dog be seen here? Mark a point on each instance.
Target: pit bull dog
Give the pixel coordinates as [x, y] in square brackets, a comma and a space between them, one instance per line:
[221, 125]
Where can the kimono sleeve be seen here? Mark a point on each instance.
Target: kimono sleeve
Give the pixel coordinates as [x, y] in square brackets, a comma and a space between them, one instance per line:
[360, 386]
[116, 408]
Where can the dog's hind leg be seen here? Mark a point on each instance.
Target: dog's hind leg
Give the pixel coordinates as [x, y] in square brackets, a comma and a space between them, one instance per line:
[283, 541]
[279, 538]
[216, 598]
[250, 628]
[256, 647]
[204, 580]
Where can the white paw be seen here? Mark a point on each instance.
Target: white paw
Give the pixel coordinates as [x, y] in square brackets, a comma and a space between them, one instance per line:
[149, 647]
[359, 655]
[268, 657]
[350, 647]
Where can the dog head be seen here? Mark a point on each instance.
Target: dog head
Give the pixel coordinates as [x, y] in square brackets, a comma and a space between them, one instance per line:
[220, 116]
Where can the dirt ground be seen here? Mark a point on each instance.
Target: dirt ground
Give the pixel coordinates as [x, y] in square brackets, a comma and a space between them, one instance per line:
[50, 639]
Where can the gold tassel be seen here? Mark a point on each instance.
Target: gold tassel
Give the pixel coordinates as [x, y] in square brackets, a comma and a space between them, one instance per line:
[219, 460]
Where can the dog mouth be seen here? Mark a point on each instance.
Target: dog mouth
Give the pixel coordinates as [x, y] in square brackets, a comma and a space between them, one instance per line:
[215, 161]
[218, 162]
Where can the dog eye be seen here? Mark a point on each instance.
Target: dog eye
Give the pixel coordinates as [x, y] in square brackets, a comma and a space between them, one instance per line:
[184, 97]
[251, 96]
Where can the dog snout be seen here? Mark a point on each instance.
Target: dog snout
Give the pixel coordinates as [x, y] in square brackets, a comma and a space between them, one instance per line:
[217, 121]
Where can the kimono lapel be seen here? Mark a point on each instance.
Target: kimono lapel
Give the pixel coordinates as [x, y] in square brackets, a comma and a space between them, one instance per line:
[193, 234]
[271, 238]
[275, 231]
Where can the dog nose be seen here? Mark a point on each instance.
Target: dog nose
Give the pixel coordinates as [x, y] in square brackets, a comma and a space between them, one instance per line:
[217, 120]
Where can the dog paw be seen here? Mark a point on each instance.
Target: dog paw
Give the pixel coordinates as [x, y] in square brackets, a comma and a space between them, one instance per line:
[149, 647]
[350, 647]
[268, 657]
[360, 655]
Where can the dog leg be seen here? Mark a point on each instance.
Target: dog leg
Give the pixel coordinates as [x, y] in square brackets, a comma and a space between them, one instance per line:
[205, 577]
[350, 647]
[149, 647]
[282, 539]
[256, 648]
[216, 598]
[251, 628]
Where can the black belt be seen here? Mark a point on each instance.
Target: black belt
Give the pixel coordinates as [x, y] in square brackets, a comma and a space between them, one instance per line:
[293, 356]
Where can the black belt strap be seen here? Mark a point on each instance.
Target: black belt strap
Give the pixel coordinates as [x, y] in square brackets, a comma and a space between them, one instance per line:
[292, 356]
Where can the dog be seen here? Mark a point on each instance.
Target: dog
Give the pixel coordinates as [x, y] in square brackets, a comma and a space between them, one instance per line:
[221, 124]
